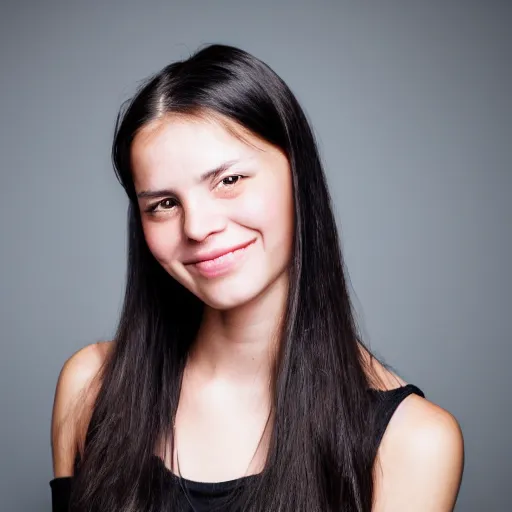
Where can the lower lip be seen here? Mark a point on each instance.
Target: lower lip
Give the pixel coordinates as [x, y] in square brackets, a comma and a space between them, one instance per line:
[223, 264]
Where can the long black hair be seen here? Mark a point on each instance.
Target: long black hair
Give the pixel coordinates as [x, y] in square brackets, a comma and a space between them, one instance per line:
[321, 451]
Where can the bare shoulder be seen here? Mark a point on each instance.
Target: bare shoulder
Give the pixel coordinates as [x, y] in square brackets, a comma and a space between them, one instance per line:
[420, 461]
[75, 393]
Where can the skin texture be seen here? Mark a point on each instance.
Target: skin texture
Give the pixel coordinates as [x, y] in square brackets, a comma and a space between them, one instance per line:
[224, 404]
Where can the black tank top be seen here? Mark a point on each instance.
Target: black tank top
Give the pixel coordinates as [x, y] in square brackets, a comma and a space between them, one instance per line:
[204, 495]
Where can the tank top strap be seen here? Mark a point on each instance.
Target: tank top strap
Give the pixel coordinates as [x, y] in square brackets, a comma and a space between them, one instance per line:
[386, 402]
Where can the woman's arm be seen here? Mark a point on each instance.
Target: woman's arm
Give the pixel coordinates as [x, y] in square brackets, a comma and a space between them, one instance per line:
[420, 461]
[74, 396]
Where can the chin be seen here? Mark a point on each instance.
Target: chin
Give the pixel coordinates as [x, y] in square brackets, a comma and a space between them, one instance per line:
[228, 296]
[225, 302]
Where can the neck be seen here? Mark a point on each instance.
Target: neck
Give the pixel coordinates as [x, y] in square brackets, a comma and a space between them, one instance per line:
[239, 345]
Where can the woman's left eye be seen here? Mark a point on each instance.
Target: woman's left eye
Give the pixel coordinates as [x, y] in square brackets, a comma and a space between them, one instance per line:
[231, 180]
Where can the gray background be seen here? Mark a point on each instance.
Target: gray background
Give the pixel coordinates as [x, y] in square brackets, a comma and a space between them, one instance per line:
[411, 104]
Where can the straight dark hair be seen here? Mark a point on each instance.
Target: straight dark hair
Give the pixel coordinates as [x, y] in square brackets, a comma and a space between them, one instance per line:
[322, 440]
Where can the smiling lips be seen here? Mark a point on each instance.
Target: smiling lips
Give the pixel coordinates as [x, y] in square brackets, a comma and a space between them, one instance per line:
[220, 262]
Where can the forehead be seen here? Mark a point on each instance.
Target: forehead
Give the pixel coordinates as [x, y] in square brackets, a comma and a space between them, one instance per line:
[184, 144]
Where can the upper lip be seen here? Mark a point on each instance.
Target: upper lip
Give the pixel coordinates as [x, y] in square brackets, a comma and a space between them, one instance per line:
[215, 253]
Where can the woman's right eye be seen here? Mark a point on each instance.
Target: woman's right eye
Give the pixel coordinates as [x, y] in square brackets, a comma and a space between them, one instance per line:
[165, 204]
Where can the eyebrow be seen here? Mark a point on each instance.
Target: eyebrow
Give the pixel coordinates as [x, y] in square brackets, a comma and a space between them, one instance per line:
[205, 176]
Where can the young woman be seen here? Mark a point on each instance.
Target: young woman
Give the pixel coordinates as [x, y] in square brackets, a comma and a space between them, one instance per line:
[237, 379]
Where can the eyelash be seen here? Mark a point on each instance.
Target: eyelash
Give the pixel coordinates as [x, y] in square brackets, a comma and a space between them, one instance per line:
[152, 209]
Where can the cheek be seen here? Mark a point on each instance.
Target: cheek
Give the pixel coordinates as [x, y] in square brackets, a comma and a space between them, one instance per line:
[253, 209]
[161, 242]
[269, 211]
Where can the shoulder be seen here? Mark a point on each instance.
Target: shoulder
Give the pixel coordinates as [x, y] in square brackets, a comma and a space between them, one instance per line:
[83, 365]
[420, 460]
[76, 390]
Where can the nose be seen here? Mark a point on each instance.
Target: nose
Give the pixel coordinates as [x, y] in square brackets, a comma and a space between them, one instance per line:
[202, 219]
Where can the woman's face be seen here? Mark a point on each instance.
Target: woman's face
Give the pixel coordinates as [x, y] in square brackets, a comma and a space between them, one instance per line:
[203, 193]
